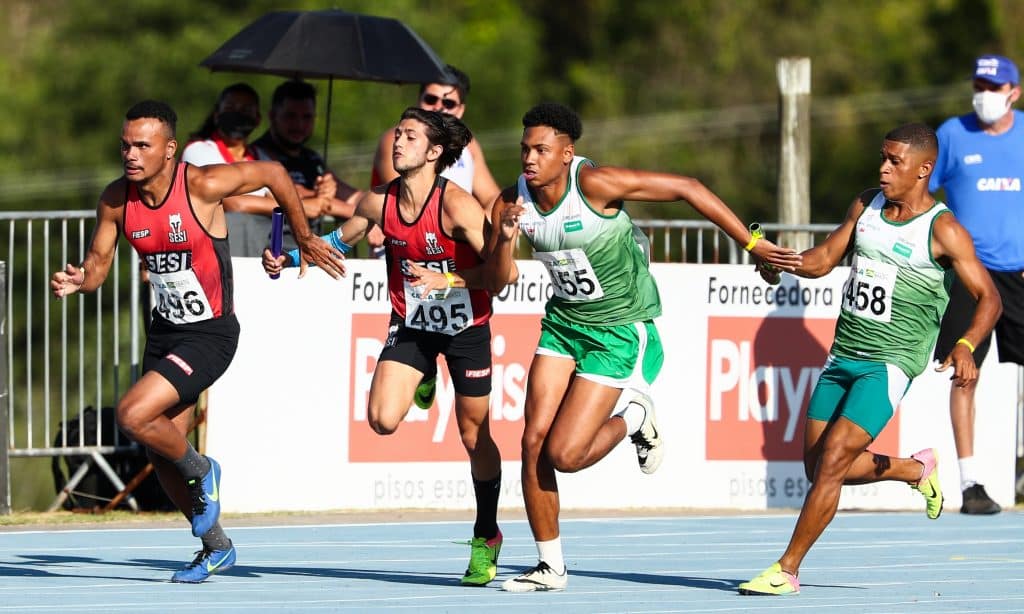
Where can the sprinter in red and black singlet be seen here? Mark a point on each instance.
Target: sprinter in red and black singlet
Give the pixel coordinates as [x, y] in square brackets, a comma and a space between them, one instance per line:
[432, 224]
[425, 242]
[194, 332]
[173, 215]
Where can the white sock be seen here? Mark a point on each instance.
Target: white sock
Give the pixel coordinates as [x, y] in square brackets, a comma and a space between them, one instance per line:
[634, 415]
[968, 477]
[550, 552]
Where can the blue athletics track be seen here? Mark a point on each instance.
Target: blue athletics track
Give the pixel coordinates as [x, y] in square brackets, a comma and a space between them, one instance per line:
[865, 562]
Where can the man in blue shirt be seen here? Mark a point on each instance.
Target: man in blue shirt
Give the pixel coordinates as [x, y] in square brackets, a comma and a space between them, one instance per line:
[981, 168]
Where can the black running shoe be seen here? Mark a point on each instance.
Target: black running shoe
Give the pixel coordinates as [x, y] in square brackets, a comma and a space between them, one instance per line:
[977, 501]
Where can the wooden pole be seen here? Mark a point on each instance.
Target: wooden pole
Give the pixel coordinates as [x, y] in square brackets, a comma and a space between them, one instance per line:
[794, 76]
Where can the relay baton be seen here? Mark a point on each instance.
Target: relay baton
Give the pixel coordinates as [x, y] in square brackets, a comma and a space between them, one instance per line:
[276, 235]
[757, 233]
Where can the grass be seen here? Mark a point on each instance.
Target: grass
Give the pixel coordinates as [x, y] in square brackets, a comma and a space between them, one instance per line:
[85, 518]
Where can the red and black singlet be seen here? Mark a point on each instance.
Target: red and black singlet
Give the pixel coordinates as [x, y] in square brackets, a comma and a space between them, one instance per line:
[189, 270]
[424, 241]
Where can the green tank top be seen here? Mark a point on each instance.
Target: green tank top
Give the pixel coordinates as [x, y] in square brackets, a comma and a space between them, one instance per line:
[598, 272]
[896, 294]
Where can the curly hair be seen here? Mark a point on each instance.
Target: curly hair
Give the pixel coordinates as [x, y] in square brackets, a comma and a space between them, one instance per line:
[558, 116]
[442, 129]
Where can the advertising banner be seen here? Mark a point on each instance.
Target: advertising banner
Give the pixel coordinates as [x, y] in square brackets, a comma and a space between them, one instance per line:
[741, 361]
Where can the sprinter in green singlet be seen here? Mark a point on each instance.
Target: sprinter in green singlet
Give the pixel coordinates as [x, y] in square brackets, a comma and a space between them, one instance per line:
[905, 247]
[599, 350]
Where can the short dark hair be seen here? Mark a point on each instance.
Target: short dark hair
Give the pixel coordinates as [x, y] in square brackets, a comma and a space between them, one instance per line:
[454, 77]
[445, 130]
[154, 109]
[292, 90]
[919, 136]
[557, 116]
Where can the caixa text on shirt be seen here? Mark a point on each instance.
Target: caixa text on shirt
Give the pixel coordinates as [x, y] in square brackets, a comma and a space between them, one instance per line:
[169, 262]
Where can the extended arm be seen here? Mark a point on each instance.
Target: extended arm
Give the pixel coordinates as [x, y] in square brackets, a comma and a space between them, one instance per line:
[950, 240]
[822, 258]
[367, 214]
[606, 185]
[214, 183]
[93, 270]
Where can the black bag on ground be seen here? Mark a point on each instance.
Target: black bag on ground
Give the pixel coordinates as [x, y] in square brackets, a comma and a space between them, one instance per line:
[95, 489]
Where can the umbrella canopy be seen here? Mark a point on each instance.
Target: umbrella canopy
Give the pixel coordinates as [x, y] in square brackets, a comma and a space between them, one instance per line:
[329, 44]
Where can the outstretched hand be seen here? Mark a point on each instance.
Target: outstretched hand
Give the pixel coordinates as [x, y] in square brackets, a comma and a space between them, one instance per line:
[68, 281]
[965, 371]
[315, 250]
[782, 258]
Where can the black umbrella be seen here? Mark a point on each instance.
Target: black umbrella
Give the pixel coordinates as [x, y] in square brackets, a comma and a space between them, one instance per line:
[329, 44]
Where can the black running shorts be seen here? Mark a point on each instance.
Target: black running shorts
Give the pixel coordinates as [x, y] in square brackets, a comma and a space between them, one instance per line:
[191, 356]
[468, 354]
[1009, 329]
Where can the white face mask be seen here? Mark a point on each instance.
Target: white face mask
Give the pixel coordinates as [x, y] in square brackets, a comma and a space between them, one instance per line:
[990, 106]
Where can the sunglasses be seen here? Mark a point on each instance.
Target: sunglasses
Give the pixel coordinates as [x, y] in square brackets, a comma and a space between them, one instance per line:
[447, 103]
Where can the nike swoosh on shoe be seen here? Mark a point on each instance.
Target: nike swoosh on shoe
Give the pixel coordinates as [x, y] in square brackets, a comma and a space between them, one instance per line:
[213, 496]
[210, 568]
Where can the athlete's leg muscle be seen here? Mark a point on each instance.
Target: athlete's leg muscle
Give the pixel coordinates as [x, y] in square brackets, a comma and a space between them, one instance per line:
[583, 433]
[841, 444]
[141, 413]
[548, 381]
[472, 414]
[391, 392]
[167, 474]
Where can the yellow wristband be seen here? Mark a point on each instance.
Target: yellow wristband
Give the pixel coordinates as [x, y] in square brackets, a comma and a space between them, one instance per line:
[756, 234]
[970, 346]
[451, 280]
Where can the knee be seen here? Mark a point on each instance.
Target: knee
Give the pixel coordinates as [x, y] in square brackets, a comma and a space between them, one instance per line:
[381, 419]
[130, 418]
[532, 443]
[833, 465]
[567, 460]
[469, 441]
[382, 427]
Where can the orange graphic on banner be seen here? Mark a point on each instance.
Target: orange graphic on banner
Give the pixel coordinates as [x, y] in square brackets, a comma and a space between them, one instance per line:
[433, 435]
[760, 375]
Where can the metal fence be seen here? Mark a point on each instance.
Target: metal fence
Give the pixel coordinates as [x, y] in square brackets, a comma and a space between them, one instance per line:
[63, 356]
[60, 357]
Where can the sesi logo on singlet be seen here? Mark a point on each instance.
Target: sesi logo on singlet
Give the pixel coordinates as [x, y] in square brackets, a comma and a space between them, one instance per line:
[169, 262]
[176, 234]
[433, 248]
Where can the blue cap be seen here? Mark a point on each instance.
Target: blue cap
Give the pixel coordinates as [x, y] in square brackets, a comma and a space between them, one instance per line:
[996, 69]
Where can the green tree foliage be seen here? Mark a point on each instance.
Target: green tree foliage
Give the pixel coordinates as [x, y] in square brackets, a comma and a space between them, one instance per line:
[684, 86]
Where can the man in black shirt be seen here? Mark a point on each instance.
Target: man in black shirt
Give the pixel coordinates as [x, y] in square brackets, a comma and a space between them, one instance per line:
[292, 116]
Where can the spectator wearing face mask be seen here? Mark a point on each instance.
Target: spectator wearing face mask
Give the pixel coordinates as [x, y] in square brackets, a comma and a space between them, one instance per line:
[981, 166]
[222, 140]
